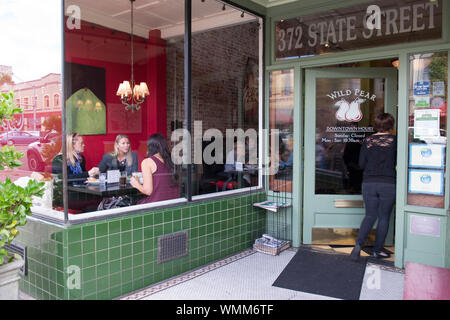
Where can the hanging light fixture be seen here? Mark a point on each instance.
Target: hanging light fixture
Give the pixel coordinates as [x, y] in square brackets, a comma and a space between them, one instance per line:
[131, 94]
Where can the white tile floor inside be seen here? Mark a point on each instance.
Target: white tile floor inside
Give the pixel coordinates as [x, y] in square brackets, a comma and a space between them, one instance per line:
[249, 275]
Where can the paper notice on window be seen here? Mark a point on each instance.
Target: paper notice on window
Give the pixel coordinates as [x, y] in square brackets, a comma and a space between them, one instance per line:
[426, 182]
[421, 101]
[426, 123]
[439, 88]
[423, 155]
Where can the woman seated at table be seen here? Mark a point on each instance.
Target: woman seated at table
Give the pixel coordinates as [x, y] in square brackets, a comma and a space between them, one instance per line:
[158, 172]
[122, 158]
[76, 163]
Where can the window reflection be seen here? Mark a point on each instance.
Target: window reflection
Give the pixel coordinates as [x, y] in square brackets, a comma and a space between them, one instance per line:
[281, 117]
[31, 69]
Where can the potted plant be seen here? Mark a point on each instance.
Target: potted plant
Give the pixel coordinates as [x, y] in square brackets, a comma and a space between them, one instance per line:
[15, 206]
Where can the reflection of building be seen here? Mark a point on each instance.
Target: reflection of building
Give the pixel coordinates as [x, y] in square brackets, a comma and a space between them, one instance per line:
[38, 99]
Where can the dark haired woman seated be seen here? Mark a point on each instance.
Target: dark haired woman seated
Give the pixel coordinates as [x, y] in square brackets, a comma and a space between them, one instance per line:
[158, 172]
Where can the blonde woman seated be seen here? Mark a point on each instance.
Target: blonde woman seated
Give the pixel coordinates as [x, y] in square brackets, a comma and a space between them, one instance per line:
[76, 163]
[122, 158]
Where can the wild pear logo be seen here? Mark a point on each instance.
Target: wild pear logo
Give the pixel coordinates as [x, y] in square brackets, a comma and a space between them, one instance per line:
[349, 109]
[350, 112]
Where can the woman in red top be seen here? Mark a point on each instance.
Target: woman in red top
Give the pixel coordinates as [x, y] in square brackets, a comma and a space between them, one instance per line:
[158, 172]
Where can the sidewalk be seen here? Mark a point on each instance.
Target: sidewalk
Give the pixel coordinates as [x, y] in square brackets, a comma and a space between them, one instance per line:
[249, 275]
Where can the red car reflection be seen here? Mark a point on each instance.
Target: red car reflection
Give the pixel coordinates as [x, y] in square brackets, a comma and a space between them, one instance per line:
[41, 153]
[17, 138]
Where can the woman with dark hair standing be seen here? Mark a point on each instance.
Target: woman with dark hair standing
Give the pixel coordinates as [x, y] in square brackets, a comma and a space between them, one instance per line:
[378, 160]
[158, 172]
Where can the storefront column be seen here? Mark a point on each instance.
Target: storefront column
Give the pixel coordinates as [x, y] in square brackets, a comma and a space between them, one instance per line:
[156, 75]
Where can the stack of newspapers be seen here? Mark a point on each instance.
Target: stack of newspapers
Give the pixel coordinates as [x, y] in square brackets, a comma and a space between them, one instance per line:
[271, 205]
[270, 245]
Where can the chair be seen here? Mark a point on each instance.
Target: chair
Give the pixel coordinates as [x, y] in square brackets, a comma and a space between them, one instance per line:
[214, 178]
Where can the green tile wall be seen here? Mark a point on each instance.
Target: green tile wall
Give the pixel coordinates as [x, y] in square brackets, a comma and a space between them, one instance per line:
[45, 260]
[118, 256]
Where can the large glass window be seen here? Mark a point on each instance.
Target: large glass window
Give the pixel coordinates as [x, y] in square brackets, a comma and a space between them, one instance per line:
[427, 131]
[30, 67]
[225, 97]
[105, 133]
[111, 134]
[101, 55]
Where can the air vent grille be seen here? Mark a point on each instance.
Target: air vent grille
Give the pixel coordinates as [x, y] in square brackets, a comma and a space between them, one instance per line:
[172, 246]
[21, 251]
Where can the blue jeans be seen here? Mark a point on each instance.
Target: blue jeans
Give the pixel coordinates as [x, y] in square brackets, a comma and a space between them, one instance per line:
[379, 199]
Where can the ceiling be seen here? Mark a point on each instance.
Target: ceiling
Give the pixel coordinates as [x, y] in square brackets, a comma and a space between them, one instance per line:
[165, 15]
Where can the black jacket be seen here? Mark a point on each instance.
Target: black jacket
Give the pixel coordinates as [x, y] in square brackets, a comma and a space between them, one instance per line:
[111, 163]
[378, 157]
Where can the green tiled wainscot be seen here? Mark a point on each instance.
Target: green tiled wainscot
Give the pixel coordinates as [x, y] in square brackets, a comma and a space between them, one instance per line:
[110, 258]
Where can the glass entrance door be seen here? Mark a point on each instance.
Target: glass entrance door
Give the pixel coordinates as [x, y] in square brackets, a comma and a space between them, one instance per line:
[341, 105]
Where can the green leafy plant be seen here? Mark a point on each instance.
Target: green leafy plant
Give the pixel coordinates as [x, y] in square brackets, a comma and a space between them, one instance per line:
[15, 201]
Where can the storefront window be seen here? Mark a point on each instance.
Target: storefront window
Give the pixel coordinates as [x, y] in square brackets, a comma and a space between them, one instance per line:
[225, 98]
[427, 131]
[100, 54]
[32, 75]
[113, 134]
[281, 118]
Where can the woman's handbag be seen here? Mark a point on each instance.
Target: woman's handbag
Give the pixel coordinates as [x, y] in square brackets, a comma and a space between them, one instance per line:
[114, 202]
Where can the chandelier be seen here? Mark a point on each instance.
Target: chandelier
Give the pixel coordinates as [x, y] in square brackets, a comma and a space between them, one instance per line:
[131, 94]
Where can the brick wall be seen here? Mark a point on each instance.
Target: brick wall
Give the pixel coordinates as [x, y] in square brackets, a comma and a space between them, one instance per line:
[219, 59]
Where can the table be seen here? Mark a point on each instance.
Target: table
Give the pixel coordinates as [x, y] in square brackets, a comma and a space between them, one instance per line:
[105, 191]
[238, 175]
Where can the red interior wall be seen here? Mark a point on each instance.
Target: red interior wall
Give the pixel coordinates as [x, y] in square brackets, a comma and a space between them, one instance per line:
[153, 71]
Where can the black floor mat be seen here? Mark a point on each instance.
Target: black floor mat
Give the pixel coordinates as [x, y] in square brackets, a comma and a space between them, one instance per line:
[323, 272]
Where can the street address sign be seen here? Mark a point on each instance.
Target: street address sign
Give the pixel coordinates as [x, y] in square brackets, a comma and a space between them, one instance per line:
[377, 23]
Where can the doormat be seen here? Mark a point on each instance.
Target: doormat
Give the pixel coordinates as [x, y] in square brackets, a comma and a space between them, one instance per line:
[323, 272]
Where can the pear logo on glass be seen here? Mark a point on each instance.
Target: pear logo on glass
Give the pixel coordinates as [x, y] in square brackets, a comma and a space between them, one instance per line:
[350, 112]
[349, 108]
